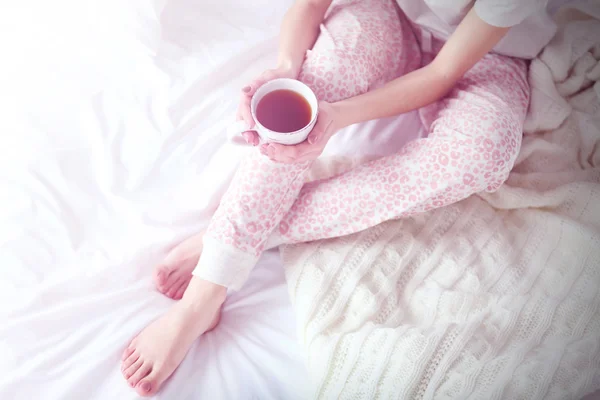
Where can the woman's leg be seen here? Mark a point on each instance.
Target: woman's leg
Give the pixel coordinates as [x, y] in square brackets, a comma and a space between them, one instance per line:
[363, 44]
[475, 135]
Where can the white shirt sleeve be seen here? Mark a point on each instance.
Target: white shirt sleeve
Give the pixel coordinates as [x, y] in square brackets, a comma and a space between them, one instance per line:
[507, 13]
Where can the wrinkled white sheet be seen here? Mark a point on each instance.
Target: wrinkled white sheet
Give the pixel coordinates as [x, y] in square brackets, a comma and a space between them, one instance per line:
[112, 150]
[111, 111]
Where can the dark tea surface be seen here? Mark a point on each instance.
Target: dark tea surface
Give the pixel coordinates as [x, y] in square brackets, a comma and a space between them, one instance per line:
[283, 111]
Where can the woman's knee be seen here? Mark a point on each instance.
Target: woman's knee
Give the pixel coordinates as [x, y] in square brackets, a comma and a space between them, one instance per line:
[481, 157]
[498, 148]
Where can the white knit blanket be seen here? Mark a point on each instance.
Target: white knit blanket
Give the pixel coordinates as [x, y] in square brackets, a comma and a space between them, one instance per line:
[496, 297]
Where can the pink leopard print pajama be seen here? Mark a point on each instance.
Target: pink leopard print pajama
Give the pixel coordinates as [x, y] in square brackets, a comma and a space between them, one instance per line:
[473, 141]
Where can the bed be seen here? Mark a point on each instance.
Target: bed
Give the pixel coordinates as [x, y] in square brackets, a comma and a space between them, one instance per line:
[114, 150]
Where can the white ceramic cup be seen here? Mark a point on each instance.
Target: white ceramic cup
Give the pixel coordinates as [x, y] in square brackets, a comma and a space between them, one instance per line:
[266, 135]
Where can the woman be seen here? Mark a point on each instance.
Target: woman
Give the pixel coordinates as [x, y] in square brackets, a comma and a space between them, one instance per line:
[460, 62]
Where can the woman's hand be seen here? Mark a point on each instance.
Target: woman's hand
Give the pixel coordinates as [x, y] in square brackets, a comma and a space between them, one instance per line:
[244, 112]
[328, 123]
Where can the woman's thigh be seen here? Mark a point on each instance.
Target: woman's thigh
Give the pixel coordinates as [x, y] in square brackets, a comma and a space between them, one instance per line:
[474, 138]
[363, 44]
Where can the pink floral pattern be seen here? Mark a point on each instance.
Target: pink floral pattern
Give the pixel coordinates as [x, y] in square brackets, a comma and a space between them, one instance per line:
[474, 137]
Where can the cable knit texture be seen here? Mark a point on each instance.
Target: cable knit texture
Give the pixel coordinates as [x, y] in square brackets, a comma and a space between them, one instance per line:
[494, 297]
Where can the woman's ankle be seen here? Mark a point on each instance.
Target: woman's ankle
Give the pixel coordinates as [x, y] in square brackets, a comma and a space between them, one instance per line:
[201, 292]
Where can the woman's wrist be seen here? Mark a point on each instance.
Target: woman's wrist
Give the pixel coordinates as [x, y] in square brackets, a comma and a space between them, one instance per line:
[291, 68]
[344, 115]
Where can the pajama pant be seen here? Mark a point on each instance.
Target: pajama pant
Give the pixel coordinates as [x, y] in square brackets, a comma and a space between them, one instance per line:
[474, 135]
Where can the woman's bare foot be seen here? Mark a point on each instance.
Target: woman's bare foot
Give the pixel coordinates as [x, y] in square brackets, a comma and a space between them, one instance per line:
[173, 275]
[154, 354]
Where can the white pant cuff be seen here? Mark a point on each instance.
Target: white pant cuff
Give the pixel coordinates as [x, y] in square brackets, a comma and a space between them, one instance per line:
[224, 264]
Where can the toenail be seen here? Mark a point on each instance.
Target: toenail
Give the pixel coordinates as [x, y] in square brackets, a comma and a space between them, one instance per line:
[145, 386]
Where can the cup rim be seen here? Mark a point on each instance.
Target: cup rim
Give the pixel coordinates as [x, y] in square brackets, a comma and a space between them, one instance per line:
[296, 81]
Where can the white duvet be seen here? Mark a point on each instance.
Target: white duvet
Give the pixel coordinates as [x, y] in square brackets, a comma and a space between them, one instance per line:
[494, 297]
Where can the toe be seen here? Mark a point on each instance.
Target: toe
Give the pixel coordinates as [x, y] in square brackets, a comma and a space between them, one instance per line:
[181, 290]
[173, 280]
[189, 248]
[127, 352]
[144, 388]
[133, 368]
[151, 383]
[175, 288]
[129, 361]
[161, 275]
[140, 374]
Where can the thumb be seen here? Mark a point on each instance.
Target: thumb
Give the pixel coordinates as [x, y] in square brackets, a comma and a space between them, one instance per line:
[313, 136]
[250, 89]
[320, 129]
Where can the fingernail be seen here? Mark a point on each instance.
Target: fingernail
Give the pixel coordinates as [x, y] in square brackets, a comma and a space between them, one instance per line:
[246, 89]
[313, 139]
[146, 387]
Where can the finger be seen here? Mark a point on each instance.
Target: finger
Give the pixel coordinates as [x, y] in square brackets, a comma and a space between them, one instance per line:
[244, 111]
[294, 154]
[320, 129]
[271, 156]
[266, 151]
[266, 76]
[286, 154]
[282, 160]
[251, 137]
[295, 151]
[309, 156]
[315, 135]
[238, 112]
[263, 150]
[281, 152]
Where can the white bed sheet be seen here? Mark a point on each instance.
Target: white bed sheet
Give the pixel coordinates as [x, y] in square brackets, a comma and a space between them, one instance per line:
[113, 150]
